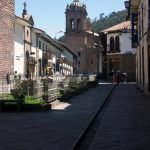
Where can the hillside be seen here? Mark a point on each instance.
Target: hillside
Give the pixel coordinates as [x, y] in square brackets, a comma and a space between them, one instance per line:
[104, 22]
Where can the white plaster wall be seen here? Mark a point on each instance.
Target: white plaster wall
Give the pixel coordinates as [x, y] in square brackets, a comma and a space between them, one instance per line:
[125, 42]
[19, 49]
[34, 45]
[40, 50]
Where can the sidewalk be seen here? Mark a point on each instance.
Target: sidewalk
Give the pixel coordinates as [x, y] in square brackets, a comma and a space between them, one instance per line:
[126, 124]
[58, 129]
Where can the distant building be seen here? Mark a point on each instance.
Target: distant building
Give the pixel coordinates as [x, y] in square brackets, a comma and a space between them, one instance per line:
[36, 54]
[24, 58]
[80, 38]
[139, 13]
[7, 15]
[120, 54]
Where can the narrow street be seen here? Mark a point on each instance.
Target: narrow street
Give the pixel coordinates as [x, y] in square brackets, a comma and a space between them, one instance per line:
[125, 123]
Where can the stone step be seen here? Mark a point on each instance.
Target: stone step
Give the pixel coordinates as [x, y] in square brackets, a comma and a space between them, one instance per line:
[54, 104]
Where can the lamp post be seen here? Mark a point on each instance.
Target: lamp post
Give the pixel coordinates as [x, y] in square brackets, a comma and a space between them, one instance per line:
[57, 33]
[127, 4]
[99, 57]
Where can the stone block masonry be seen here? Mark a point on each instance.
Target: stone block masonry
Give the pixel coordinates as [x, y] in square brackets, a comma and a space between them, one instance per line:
[7, 19]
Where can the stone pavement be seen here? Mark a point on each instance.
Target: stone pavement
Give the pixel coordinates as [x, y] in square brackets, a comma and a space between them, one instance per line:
[57, 129]
[126, 124]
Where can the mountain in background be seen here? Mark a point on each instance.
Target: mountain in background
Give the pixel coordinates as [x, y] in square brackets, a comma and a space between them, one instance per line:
[104, 22]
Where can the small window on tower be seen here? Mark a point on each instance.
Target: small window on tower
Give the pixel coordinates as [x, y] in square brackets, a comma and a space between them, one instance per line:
[72, 24]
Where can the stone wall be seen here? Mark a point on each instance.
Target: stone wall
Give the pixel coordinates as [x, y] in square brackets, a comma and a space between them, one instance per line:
[82, 44]
[7, 19]
[123, 62]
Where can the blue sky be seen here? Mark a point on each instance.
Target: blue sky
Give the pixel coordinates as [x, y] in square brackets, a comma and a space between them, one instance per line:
[49, 14]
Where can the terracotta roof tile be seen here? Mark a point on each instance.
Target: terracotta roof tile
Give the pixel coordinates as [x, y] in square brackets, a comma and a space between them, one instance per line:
[121, 26]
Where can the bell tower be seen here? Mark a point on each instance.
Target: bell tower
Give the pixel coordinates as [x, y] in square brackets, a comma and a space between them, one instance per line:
[80, 38]
[76, 17]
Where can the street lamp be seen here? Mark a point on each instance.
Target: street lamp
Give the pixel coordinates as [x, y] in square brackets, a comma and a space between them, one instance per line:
[99, 56]
[57, 33]
[127, 4]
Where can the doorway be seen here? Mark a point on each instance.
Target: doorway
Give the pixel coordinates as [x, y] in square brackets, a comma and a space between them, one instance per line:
[148, 49]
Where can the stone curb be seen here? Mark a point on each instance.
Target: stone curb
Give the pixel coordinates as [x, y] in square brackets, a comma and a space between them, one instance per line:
[92, 118]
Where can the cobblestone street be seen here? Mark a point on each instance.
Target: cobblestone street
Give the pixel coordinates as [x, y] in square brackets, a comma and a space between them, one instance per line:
[58, 129]
[126, 124]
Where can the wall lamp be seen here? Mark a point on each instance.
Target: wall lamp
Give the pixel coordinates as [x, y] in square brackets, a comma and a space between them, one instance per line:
[127, 4]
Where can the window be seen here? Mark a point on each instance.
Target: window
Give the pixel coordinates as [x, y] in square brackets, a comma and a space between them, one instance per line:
[43, 46]
[117, 39]
[39, 44]
[40, 67]
[112, 46]
[143, 71]
[72, 24]
[27, 64]
[142, 20]
[148, 49]
[149, 13]
[27, 33]
[79, 23]
[27, 55]
[134, 29]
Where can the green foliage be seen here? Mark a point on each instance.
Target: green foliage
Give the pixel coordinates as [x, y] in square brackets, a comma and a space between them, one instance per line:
[104, 22]
[6, 96]
[32, 100]
[20, 89]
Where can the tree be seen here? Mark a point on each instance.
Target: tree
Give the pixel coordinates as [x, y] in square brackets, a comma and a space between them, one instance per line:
[105, 22]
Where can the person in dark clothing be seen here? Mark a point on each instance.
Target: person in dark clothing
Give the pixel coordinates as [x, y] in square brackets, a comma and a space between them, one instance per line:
[112, 74]
[118, 76]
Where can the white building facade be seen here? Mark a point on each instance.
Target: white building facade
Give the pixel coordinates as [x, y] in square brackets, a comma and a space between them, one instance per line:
[139, 12]
[37, 54]
[120, 51]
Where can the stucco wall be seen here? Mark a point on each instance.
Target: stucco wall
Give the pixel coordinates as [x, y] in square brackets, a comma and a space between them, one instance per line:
[19, 49]
[125, 42]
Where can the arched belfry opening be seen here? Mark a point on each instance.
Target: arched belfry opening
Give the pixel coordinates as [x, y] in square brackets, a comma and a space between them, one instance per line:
[72, 24]
[80, 38]
[76, 17]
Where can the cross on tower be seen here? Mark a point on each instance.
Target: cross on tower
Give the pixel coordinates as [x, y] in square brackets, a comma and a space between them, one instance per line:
[25, 5]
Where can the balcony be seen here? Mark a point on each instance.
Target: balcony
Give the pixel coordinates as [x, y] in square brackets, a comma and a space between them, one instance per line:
[32, 60]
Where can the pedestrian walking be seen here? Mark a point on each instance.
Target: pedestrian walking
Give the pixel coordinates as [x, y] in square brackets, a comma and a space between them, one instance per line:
[112, 74]
[125, 77]
[118, 76]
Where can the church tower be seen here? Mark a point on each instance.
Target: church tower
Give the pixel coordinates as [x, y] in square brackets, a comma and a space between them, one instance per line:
[80, 38]
[76, 17]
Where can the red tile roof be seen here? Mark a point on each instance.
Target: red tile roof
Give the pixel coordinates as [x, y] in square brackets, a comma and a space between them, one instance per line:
[118, 27]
